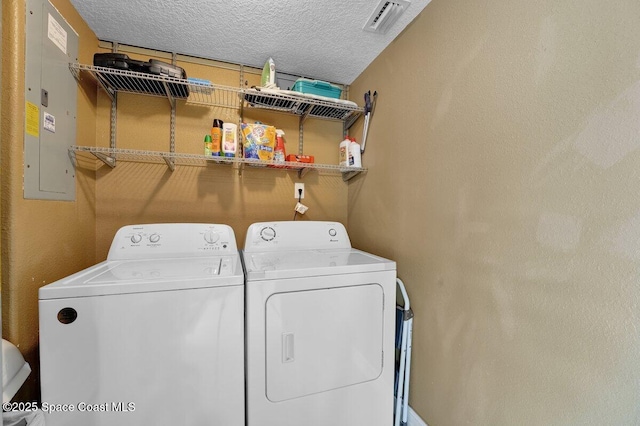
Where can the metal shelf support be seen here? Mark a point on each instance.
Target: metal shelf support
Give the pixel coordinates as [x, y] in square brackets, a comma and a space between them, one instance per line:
[106, 159]
[113, 125]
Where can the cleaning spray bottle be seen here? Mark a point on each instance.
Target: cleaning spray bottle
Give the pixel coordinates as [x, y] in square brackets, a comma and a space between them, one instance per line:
[279, 153]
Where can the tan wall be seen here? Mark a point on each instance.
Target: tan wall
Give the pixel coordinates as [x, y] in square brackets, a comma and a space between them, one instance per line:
[503, 178]
[41, 240]
[147, 193]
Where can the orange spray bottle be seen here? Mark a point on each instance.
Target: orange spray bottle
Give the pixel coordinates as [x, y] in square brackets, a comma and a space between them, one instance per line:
[216, 137]
[279, 153]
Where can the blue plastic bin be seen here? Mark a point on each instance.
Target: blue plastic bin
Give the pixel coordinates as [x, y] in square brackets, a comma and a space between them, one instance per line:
[317, 87]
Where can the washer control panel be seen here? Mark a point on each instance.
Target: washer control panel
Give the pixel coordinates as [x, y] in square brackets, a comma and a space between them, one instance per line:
[268, 236]
[172, 240]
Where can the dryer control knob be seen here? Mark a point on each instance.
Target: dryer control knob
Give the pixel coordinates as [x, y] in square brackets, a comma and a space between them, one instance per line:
[211, 237]
[154, 238]
[136, 238]
[267, 233]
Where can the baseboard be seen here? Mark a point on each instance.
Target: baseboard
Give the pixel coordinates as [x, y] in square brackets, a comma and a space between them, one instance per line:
[413, 419]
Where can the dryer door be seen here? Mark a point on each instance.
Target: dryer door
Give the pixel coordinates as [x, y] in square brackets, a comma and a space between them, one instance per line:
[320, 340]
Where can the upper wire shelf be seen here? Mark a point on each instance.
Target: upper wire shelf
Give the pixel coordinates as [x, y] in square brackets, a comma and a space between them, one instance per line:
[114, 80]
[302, 105]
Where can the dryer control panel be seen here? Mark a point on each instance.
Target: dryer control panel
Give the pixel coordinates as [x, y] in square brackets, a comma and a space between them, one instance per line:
[289, 235]
[164, 240]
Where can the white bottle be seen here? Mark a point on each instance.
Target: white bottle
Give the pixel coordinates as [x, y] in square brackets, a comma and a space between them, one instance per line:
[229, 139]
[355, 155]
[344, 152]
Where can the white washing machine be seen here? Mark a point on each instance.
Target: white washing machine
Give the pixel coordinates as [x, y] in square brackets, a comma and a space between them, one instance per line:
[154, 335]
[320, 320]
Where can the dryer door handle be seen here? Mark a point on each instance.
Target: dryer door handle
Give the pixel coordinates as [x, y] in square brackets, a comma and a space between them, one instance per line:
[287, 347]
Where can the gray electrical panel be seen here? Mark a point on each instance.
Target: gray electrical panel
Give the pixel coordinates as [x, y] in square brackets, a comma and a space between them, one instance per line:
[50, 107]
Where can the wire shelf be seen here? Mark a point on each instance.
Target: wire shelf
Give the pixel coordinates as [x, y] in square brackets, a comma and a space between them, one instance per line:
[114, 80]
[301, 105]
[111, 155]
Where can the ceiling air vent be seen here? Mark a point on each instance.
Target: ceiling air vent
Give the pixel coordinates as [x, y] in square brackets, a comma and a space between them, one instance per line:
[385, 15]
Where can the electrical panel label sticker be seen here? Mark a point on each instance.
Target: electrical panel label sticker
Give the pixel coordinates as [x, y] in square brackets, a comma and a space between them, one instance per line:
[49, 122]
[33, 120]
[57, 34]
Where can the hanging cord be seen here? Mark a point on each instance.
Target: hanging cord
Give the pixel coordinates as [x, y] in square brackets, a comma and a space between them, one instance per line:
[295, 212]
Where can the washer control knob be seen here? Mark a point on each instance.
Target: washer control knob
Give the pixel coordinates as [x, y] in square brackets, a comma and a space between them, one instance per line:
[136, 238]
[267, 233]
[333, 232]
[154, 238]
[211, 237]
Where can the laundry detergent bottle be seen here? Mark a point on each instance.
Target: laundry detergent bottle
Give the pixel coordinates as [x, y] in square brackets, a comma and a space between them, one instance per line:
[344, 152]
[355, 155]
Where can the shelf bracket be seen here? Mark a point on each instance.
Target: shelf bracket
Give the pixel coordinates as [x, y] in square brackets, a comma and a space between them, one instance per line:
[350, 121]
[302, 172]
[109, 161]
[170, 161]
[100, 79]
[347, 176]
[73, 157]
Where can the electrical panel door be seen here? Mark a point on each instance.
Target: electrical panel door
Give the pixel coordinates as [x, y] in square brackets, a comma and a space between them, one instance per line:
[50, 104]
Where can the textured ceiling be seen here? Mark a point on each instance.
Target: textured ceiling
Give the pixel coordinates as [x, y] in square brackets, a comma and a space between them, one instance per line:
[322, 39]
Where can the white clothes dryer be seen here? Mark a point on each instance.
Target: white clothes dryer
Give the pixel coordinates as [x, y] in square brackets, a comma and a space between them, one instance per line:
[320, 320]
[154, 335]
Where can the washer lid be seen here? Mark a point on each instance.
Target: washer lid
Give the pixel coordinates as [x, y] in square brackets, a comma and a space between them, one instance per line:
[140, 276]
[309, 263]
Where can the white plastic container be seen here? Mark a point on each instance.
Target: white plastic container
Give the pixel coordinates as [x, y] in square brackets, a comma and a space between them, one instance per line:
[355, 155]
[344, 152]
[229, 139]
